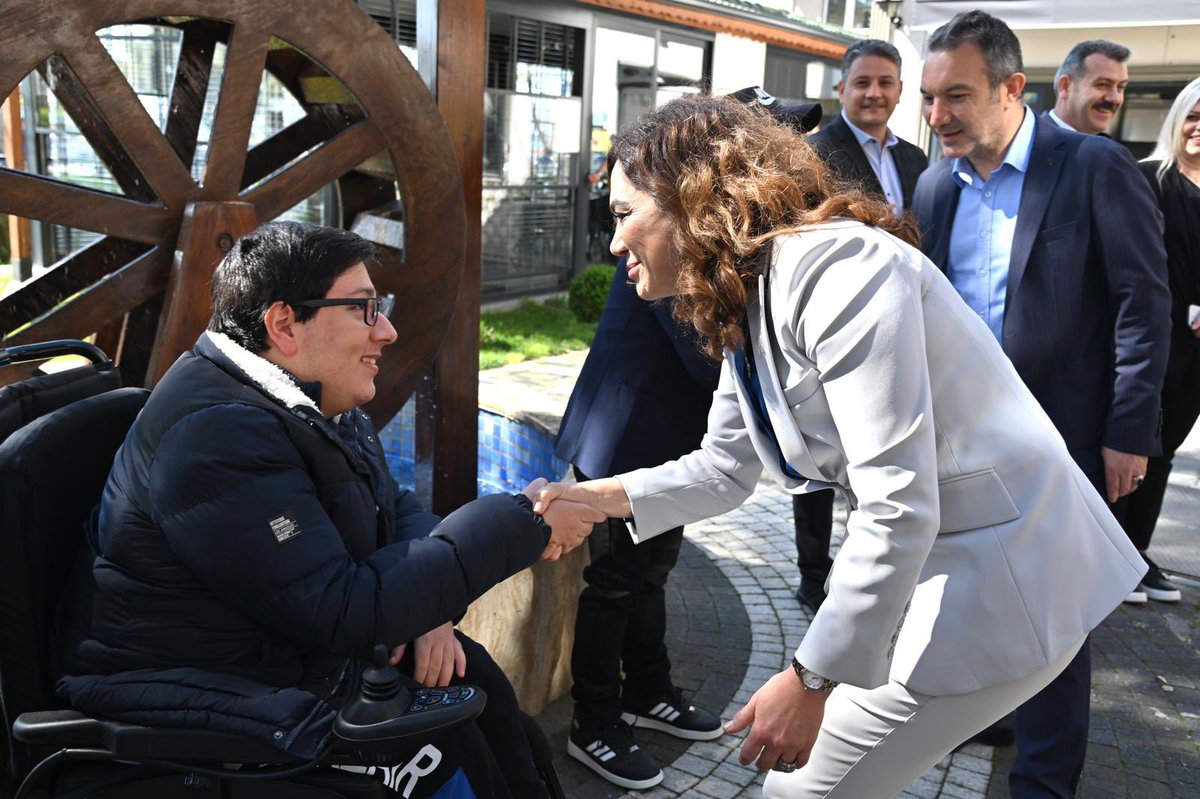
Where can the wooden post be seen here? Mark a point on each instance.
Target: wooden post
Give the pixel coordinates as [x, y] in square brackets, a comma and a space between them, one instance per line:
[20, 247]
[459, 29]
[208, 231]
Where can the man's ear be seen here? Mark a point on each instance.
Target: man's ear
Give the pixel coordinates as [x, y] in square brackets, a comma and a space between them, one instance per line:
[280, 322]
[1014, 84]
[1063, 86]
[841, 90]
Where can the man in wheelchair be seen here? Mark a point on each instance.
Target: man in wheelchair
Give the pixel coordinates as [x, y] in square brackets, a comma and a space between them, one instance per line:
[251, 547]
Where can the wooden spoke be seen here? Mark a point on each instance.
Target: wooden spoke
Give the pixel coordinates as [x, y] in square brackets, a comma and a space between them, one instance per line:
[69, 276]
[127, 117]
[293, 141]
[36, 197]
[244, 60]
[103, 303]
[192, 75]
[331, 160]
[87, 117]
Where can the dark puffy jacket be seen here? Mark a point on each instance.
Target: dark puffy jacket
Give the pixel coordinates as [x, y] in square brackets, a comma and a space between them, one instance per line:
[238, 539]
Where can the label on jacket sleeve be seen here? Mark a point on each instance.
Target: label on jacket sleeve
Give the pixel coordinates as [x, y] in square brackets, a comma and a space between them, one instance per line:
[285, 527]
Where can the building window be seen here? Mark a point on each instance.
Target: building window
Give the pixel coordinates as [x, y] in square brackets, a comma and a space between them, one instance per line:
[848, 13]
[532, 110]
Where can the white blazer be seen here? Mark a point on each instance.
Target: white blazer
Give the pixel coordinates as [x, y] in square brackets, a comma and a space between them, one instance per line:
[976, 550]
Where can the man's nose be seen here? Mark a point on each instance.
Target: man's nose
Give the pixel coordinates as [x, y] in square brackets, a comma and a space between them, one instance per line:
[384, 330]
[935, 113]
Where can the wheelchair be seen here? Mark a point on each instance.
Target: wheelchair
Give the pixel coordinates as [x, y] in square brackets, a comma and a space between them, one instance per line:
[59, 434]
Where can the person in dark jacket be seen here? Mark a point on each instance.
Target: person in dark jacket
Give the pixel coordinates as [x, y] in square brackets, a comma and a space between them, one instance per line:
[642, 397]
[1173, 170]
[251, 535]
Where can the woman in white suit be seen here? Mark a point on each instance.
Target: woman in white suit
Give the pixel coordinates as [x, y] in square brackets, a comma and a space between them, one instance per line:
[850, 361]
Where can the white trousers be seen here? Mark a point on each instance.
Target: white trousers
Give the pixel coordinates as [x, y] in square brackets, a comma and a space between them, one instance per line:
[875, 743]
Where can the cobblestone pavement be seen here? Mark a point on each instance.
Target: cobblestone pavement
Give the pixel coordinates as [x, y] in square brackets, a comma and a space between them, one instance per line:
[735, 621]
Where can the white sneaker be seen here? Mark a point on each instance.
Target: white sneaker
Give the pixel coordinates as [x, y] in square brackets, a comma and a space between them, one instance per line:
[1137, 597]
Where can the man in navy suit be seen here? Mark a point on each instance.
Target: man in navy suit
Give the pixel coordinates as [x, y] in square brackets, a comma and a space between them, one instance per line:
[857, 144]
[859, 148]
[642, 398]
[1048, 235]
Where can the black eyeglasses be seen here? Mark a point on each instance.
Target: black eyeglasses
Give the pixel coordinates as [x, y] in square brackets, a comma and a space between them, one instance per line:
[372, 306]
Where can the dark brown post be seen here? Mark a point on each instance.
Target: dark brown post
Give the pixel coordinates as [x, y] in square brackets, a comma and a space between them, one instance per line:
[20, 248]
[459, 29]
[207, 233]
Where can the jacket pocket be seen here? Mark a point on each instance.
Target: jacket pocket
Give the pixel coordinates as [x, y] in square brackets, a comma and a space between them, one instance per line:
[974, 500]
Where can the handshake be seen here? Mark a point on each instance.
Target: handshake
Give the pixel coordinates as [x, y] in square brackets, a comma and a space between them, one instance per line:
[572, 509]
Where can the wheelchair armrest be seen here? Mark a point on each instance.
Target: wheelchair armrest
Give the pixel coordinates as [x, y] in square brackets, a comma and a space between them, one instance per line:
[58, 728]
[70, 728]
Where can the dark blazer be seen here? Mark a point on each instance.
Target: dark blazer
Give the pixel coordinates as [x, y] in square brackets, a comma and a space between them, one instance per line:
[642, 397]
[1086, 314]
[836, 144]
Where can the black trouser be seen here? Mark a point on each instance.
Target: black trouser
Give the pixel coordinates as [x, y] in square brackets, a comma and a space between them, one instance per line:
[500, 722]
[1180, 409]
[814, 528]
[622, 623]
[1052, 726]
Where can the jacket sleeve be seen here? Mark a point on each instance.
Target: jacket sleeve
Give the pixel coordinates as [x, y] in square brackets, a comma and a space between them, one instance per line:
[713, 480]
[1130, 242]
[862, 326]
[245, 519]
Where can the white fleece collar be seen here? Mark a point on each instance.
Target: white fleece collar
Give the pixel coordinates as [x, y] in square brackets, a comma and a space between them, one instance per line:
[274, 381]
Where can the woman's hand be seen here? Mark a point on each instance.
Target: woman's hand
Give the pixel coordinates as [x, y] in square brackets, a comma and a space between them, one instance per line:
[607, 495]
[436, 658]
[570, 522]
[784, 720]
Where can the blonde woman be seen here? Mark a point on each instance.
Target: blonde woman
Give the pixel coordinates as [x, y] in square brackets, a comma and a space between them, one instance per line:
[1174, 173]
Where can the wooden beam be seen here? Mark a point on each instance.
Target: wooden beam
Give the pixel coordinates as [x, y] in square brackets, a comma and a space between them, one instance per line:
[459, 28]
[20, 245]
[721, 23]
[206, 234]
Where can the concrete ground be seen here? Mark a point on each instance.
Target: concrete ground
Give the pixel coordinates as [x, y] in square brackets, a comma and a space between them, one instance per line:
[734, 622]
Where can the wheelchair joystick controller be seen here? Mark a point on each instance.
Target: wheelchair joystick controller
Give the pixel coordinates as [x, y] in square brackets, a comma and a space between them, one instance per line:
[387, 715]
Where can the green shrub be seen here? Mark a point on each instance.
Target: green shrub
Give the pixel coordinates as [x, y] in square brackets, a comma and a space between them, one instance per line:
[589, 290]
[5, 251]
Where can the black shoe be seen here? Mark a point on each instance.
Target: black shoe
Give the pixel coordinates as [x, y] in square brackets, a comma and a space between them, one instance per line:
[670, 714]
[810, 594]
[1156, 586]
[611, 752]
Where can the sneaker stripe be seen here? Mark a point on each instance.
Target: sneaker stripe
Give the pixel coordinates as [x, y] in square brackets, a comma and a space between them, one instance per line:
[659, 709]
[674, 715]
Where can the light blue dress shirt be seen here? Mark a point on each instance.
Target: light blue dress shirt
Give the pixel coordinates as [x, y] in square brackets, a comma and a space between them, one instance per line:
[881, 161]
[984, 224]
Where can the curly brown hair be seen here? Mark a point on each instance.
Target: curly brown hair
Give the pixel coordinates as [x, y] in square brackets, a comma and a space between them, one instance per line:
[731, 179]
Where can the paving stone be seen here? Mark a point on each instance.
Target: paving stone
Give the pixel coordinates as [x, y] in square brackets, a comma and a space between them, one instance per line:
[733, 622]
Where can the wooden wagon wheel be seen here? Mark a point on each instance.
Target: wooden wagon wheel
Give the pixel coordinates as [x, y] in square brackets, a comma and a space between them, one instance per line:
[147, 277]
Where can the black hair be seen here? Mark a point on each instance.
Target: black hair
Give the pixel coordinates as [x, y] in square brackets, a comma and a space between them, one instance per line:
[1073, 64]
[995, 40]
[876, 47]
[285, 262]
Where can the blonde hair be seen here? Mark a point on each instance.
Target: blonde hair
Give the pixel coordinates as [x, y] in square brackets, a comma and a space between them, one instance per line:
[731, 179]
[1170, 136]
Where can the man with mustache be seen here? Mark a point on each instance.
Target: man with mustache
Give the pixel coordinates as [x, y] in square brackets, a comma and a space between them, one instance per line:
[859, 148]
[1091, 86]
[1020, 215]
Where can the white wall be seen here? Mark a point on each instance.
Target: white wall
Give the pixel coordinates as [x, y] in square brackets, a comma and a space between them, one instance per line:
[737, 63]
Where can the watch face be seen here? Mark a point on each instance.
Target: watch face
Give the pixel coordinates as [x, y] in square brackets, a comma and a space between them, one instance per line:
[814, 682]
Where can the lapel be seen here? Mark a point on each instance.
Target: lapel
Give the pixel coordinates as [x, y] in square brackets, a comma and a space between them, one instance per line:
[940, 213]
[848, 144]
[791, 446]
[1041, 177]
[909, 165]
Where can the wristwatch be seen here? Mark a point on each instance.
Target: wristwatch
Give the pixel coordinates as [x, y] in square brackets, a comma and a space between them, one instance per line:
[811, 680]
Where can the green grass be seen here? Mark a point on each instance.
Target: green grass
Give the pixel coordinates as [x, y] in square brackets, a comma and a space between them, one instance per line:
[533, 330]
